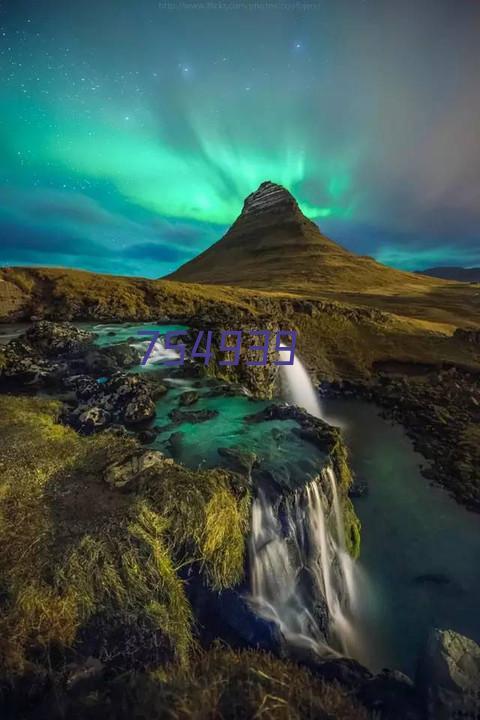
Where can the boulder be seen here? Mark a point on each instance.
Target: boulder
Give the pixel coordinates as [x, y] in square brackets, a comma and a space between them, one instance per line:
[92, 419]
[188, 397]
[140, 409]
[392, 695]
[449, 676]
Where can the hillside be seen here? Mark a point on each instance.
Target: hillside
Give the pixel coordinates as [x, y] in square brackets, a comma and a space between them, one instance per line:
[272, 246]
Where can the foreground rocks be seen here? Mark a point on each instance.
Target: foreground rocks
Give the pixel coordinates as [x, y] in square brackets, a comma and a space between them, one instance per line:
[449, 676]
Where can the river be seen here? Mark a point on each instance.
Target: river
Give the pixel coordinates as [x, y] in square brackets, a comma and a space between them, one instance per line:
[420, 548]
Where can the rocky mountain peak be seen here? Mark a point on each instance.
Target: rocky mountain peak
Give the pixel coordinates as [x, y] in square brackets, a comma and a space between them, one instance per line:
[269, 197]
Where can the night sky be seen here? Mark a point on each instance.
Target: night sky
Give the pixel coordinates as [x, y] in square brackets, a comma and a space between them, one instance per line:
[131, 131]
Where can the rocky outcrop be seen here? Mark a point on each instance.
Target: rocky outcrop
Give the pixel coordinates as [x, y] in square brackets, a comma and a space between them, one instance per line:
[52, 339]
[124, 398]
[449, 676]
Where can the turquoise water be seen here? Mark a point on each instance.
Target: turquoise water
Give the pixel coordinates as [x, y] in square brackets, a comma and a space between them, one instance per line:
[420, 549]
[273, 442]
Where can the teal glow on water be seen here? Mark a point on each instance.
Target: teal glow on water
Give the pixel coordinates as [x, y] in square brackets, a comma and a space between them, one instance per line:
[273, 442]
[409, 530]
[110, 334]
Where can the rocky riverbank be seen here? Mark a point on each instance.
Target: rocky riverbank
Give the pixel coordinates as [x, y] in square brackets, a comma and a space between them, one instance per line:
[440, 410]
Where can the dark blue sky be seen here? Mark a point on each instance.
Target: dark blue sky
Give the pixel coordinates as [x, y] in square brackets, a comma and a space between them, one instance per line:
[131, 131]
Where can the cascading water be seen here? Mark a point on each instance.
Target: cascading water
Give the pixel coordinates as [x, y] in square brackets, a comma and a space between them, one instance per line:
[302, 576]
[159, 352]
[299, 388]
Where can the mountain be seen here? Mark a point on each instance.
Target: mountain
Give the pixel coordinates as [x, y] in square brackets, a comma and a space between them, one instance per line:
[451, 272]
[272, 245]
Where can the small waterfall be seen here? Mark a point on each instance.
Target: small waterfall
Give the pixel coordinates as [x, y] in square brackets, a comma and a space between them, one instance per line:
[159, 352]
[299, 388]
[301, 575]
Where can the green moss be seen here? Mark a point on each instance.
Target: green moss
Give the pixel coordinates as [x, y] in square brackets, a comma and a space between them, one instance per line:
[339, 455]
[72, 548]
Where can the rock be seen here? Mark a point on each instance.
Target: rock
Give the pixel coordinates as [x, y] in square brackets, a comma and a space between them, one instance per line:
[53, 338]
[147, 436]
[449, 676]
[124, 472]
[188, 398]
[92, 419]
[359, 488]
[83, 386]
[349, 673]
[139, 409]
[100, 362]
[392, 695]
[240, 461]
[191, 416]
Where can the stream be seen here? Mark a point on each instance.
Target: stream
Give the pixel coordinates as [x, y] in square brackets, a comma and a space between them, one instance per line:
[420, 548]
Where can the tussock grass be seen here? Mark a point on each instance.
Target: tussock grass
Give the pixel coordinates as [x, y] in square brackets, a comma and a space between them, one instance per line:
[223, 684]
[72, 548]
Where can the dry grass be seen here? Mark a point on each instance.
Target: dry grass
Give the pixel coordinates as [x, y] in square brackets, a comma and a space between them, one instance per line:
[223, 685]
[72, 548]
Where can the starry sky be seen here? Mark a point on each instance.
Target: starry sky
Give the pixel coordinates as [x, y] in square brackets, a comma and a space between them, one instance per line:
[132, 130]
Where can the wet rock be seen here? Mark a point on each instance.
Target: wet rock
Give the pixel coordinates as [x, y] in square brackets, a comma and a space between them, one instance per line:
[392, 695]
[358, 489]
[191, 416]
[138, 410]
[347, 672]
[126, 471]
[188, 397]
[147, 436]
[449, 676]
[237, 460]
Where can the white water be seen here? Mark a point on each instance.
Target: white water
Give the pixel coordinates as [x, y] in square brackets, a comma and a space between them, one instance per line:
[307, 544]
[299, 388]
[159, 352]
[301, 574]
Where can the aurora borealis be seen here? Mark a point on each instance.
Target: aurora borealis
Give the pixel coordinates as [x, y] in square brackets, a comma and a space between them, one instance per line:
[130, 132]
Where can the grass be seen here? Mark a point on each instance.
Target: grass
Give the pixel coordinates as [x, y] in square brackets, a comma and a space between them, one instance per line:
[73, 549]
[222, 684]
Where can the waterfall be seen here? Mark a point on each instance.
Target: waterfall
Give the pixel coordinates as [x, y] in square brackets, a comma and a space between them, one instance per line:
[299, 388]
[159, 352]
[301, 575]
